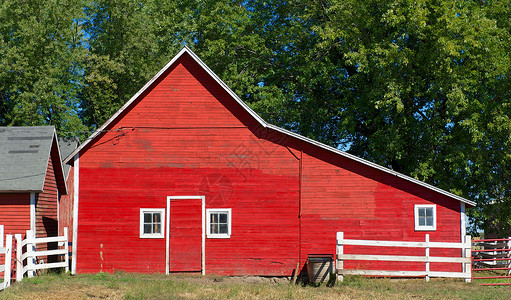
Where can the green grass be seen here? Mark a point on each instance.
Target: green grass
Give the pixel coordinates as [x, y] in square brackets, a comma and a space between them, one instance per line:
[140, 286]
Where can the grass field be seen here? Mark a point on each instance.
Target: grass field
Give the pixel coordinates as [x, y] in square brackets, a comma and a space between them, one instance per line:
[136, 286]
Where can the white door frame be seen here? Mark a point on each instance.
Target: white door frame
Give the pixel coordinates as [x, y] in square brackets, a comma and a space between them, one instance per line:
[167, 235]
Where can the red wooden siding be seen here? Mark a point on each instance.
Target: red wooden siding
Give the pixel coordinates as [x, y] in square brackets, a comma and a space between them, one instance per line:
[185, 136]
[15, 213]
[66, 208]
[46, 205]
[46, 210]
[339, 194]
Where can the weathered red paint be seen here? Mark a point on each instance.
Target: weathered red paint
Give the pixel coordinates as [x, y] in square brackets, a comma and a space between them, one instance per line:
[15, 212]
[186, 136]
[46, 205]
[46, 211]
[66, 208]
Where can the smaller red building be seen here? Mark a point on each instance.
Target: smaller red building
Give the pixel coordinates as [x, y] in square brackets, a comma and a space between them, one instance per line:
[31, 180]
[185, 177]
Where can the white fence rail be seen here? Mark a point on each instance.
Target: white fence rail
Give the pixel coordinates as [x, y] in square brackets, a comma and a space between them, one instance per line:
[464, 259]
[31, 254]
[6, 251]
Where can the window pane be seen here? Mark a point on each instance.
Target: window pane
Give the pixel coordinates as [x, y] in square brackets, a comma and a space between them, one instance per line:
[429, 221]
[223, 218]
[157, 218]
[422, 212]
[147, 217]
[223, 228]
[218, 223]
[429, 212]
[156, 228]
[147, 228]
[422, 221]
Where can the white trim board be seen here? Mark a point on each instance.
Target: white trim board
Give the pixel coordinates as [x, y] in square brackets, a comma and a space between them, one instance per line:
[167, 234]
[263, 123]
[76, 185]
[463, 224]
[60, 162]
[32, 212]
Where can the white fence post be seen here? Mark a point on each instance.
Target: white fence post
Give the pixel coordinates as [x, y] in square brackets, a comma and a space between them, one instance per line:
[66, 246]
[30, 253]
[427, 257]
[340, 251]
[19, 261]
[467, 267]
[8, 259]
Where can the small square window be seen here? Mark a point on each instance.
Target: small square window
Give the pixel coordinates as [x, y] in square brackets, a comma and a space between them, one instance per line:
[152, 222]
[218, 223]
[425, 217]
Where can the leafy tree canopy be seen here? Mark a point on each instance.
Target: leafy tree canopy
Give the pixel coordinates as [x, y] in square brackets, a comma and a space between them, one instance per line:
[40, 63]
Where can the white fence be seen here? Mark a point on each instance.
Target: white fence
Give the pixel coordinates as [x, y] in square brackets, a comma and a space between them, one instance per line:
[30, 255]
[464, 259]
[6, 251]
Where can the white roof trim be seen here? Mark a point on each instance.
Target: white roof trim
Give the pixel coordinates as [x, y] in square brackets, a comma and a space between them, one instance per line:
[263, 124]
[56, 138]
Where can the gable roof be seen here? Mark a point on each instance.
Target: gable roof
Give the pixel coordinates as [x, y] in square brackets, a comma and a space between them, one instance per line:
[263, 123]
[24, 156]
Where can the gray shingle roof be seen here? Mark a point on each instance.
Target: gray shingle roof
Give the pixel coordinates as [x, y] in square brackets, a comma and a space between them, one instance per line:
[67, 146]
[24, 155]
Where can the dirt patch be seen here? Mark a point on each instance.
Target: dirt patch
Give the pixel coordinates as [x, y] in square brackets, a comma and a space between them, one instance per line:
[213, 279]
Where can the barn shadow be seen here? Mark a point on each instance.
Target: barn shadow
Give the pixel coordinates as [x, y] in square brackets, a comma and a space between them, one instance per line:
[51, 227]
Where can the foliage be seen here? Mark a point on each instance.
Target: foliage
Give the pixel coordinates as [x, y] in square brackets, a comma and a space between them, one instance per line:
[125, 48]
[426, 90]
[40, 55]
[421, 87]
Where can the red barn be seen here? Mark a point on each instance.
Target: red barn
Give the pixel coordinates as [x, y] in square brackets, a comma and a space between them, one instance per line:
[31, 180]
[185, 177]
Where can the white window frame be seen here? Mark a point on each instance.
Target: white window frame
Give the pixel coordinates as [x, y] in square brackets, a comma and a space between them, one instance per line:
[160, 235]
[211, 235]
[416, 217]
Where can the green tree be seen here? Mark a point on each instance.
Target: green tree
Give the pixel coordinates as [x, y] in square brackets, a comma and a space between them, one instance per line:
[421, 87]
[127, 43]
[40, 57]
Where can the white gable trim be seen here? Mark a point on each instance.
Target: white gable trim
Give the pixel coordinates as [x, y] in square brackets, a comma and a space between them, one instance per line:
[263, 123]
[463, 224]
[59, 163]
[76, 190]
